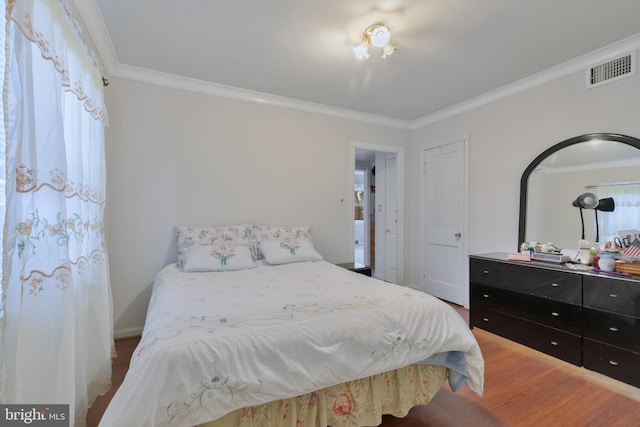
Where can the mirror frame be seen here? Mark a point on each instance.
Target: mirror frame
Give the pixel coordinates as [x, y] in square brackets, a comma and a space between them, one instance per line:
[524, 181]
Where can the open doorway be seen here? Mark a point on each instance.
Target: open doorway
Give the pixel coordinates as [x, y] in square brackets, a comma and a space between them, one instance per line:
[377, 201]
[363, 215]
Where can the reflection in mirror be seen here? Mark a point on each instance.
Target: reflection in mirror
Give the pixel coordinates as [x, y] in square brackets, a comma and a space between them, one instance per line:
[607, 165]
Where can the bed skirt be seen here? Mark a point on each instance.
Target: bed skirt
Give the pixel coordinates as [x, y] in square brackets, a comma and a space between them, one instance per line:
[354, 403]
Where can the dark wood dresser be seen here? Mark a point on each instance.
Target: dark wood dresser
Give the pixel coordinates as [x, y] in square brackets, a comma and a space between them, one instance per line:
[587, 319]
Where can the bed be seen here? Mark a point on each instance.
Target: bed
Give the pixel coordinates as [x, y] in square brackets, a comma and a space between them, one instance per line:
[251, 327]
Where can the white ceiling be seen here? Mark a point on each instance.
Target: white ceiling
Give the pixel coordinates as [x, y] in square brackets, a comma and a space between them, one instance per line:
[449, 51]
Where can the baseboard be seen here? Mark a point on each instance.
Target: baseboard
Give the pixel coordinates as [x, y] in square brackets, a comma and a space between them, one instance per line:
[127, 332]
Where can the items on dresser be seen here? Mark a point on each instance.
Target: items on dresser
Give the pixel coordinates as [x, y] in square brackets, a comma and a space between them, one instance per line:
[555, 257]
[628, 267]
[584, 318]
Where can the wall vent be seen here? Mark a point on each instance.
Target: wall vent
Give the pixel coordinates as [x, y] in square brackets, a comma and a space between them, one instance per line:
[616, 69]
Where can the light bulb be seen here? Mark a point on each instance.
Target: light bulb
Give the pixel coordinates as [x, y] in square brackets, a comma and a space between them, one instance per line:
[380, 36]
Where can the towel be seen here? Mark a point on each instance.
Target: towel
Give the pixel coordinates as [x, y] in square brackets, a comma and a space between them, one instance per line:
[455, 362]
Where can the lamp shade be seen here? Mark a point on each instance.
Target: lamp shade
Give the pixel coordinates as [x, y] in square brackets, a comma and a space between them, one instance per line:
[362, 50]
[388, 49]
[586, 201]
[606, 205]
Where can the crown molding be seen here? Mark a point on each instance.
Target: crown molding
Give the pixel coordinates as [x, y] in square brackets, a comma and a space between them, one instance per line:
[203, 87]
[579, 64]
[91, 16]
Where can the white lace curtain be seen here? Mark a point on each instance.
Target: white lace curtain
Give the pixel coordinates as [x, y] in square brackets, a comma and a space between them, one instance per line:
[626, 214]
[56, 340]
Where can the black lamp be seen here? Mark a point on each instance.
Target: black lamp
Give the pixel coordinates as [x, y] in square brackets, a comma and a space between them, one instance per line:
[605, 205]
[585, 201]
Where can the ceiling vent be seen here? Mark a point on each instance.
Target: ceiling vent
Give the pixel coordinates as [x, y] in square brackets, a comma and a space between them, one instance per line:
[616, 69]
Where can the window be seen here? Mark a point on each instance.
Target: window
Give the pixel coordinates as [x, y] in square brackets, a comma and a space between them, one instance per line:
[626, 197]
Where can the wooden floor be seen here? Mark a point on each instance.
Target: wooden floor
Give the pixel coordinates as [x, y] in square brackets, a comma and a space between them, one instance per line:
[522, 388]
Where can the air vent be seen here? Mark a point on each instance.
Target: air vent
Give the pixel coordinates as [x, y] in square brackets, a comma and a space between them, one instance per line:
[616, 69]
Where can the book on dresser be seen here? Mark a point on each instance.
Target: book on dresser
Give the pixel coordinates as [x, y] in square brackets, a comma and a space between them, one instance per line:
[584, 318]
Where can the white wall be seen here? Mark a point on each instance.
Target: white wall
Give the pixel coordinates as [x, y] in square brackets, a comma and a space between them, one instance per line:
[177, 157]
[506, 135]
[181, 158]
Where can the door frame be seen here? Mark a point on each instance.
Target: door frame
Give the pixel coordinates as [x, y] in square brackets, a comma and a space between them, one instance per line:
[399, 152]
[465, 215]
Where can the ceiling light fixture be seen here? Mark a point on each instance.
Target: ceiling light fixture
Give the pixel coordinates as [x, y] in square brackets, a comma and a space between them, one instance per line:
[377, 35]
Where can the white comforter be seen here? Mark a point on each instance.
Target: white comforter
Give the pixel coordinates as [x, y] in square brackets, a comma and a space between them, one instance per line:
[216, 342]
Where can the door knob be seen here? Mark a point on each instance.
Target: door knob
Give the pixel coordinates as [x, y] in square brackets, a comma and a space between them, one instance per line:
[458, 235]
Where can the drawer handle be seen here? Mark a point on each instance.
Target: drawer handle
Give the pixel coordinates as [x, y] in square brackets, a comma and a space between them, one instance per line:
[613, 363]
[485, 295]
[555, 285]
[554, 343]
[613, 329]
[486, 271]
[613, 295]
[555, 313]
[485, 319]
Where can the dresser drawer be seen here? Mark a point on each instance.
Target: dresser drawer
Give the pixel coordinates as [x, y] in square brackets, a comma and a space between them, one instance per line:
[619, 296]
[556, 314]
[615, 329]
[547, 283]
[548, 340]
[612, 361]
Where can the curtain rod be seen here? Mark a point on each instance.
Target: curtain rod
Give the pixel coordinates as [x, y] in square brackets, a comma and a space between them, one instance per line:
[613, 184]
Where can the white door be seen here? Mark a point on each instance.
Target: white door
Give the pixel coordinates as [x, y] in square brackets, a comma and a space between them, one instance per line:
[445, 192]
[386, 218]
[391, 219]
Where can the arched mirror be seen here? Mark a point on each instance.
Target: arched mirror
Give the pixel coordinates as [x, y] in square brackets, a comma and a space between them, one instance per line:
[607, 165]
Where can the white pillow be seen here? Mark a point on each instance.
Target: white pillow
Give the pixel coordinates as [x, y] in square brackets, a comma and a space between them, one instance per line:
[288, 250]
[220, 257]
[188, 237]
[261, 233]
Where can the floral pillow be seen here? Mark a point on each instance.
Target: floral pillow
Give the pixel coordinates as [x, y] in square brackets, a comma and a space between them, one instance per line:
[199, 236]
[284, 251]
[262, 233]
[220, 257]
